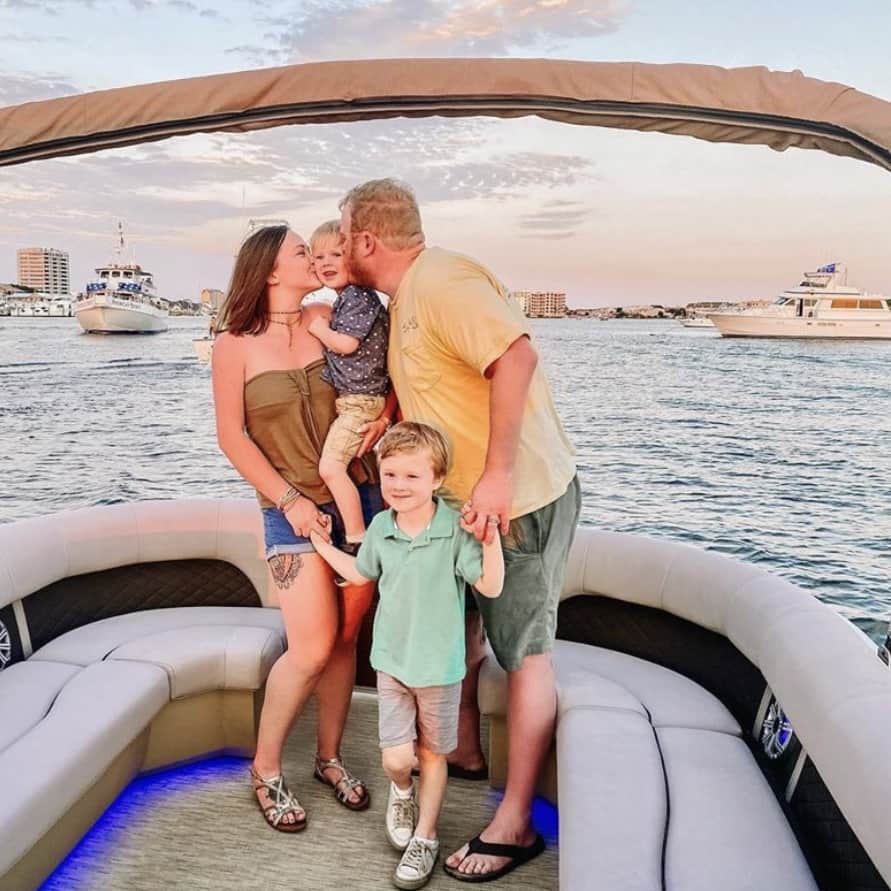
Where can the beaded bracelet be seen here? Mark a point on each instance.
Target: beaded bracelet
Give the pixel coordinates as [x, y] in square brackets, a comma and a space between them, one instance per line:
[290, 496]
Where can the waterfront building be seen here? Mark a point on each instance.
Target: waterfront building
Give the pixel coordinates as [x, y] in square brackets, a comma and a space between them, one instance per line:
[212, 299]
[542, 304]
[44, 269]
[520, 298]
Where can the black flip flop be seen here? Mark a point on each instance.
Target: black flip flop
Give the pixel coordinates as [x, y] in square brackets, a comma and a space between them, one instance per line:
[520, 854]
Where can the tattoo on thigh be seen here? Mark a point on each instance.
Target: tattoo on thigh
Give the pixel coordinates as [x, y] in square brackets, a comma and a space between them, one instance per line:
[285, 568]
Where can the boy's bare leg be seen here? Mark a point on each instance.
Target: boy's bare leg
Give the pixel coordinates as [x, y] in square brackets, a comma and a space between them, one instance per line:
[469, 753]
[346, 497]
[434, 776]
[531, 711]
[397, 762]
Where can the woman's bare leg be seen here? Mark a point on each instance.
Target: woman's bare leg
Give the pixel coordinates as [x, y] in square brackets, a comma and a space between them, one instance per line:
[335, 687]
[311, 615]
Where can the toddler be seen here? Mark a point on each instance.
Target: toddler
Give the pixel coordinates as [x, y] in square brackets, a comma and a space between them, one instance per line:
[355, 341]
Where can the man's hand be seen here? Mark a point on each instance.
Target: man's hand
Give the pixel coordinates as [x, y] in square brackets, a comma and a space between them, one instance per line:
[488, 508]
[305, 518]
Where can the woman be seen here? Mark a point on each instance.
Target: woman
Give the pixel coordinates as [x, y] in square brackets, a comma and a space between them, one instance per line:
[273, 412]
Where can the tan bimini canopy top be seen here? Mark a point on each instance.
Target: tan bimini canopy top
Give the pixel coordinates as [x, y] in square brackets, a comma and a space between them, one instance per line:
[744, 105]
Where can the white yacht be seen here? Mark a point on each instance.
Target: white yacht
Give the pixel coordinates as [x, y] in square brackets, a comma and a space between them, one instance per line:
[121, 300]
[823, 304]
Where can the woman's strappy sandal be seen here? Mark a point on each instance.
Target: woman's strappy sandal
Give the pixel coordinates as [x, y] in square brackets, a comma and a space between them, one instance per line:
[283, 802]
[344, 786]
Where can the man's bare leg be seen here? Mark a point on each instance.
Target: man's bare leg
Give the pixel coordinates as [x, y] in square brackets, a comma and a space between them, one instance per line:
[531, 712]
[469, 753]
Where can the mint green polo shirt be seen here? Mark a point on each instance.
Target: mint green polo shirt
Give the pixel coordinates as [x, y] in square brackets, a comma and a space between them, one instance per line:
[418, 635]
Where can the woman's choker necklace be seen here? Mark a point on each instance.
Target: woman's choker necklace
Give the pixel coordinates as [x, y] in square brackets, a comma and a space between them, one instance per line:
[290, 324]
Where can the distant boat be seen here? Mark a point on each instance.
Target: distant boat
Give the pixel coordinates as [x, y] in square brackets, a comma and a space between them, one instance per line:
[695, 321]
[37, 306]
[822, 305]
[203, 347]
[122, 299]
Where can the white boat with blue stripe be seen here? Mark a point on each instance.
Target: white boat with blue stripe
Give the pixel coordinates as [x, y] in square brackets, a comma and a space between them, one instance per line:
[122, 299]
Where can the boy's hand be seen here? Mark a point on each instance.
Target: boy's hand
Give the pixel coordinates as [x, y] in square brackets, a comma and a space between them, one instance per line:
[305, 519]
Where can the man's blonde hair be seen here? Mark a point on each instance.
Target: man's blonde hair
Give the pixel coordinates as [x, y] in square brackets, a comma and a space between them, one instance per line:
[388, 209]
[411, 436]
[329, 229]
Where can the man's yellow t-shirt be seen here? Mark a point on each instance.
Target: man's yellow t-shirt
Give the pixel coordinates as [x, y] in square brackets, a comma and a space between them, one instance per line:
[449, 320]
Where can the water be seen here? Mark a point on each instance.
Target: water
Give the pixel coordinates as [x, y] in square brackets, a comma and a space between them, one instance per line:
[777, 453]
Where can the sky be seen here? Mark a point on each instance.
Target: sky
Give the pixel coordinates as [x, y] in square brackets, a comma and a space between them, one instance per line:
[610, 217]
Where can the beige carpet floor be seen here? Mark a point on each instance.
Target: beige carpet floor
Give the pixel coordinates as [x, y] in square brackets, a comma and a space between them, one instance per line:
[200, 829]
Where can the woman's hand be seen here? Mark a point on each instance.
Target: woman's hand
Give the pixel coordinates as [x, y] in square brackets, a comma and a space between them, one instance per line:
[305, 518]
[371, 433]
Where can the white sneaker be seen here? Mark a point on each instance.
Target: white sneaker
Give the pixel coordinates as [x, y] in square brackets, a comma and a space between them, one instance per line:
[416, 865]
[402, 814]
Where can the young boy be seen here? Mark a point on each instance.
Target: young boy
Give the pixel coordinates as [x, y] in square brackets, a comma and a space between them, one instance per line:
[422, 555]
[355, 344]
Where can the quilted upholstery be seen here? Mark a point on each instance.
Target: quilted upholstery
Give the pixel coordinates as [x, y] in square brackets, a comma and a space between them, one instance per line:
[77, 600]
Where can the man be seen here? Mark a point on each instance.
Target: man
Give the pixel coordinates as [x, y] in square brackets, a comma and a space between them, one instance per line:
[460, 357]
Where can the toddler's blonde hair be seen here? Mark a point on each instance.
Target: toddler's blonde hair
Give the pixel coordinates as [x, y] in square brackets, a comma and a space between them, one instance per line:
[329, 229]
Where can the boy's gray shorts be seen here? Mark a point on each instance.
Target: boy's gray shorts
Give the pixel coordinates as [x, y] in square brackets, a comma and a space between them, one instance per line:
[405, 713]
[523, 620]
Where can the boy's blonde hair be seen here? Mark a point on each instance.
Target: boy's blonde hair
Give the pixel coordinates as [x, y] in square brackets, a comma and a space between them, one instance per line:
[411, 436]
[329, 229]
[388, 209]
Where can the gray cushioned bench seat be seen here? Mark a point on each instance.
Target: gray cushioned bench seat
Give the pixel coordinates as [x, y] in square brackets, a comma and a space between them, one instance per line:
[650, 762]
[200, 648]
[95, 716]
[81, 700]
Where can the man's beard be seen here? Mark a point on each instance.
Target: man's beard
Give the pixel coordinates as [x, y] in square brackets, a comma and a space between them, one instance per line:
[359, 274]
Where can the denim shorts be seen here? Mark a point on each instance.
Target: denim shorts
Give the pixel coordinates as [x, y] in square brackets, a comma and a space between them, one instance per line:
[282, 539]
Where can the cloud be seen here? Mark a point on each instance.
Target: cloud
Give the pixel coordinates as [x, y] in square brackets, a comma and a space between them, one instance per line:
[17, 88]
[48, 7]
[555, 220]
[32, 38]
[341, 29]
[167, 190]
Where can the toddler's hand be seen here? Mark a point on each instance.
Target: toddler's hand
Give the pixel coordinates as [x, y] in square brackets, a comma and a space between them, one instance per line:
[317, 325]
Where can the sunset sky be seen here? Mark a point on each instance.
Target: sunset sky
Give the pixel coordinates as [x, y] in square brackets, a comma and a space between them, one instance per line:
[610, 217]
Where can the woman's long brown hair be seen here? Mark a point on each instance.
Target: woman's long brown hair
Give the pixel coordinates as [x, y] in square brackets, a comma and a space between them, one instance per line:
[246, 309]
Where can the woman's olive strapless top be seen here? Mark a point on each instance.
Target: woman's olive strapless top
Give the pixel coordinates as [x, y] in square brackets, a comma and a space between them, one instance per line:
[287, 415]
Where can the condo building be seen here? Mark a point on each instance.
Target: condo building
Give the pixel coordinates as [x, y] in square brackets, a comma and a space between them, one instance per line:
[542, 304]
[44, 269]
[212, 299]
